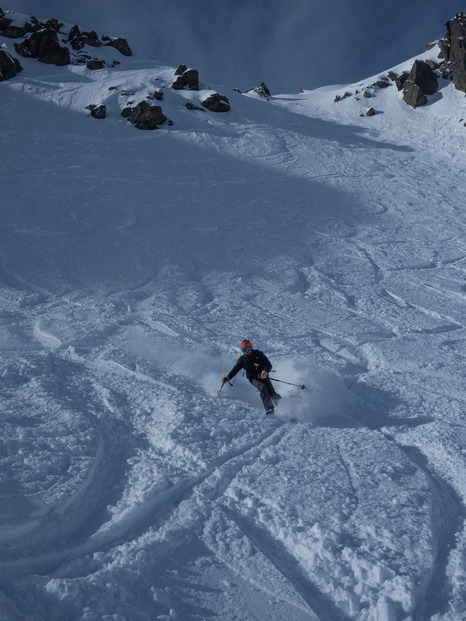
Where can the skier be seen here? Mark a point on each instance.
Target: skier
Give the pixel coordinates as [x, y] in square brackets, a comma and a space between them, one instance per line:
[257, 367]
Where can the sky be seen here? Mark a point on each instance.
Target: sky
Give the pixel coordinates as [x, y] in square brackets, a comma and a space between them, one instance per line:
[243, 43]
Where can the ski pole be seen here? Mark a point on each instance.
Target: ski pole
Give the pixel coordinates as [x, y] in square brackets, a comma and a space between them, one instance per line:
[274, 379]
[218, 394]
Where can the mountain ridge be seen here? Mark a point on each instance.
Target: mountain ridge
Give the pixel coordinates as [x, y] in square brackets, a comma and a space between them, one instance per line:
[78, 45]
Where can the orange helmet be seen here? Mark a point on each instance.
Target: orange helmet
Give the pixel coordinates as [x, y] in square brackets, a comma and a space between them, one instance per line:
[246, 344]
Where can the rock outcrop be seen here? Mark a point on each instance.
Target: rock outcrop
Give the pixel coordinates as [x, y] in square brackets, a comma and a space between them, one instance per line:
[424, 77]
[91, 38]
[44, 46]
[420, 82]
[78, 40]
[399, 79]
[121, 45]
[98, 112]
[191, 106]
[94, 64]
[145, 116]
[186, 77]
[216, 103]
[453, 50]
[9, 66]
[9, 30]
[261, 90]
[413, 95]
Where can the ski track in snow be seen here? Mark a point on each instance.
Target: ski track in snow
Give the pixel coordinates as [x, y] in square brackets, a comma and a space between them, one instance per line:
[133, 264]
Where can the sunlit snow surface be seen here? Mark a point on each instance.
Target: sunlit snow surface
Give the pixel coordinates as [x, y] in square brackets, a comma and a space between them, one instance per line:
[132, 266]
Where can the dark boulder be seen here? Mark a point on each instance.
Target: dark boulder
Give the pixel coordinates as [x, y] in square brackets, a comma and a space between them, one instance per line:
[12, 32]
[398, 79]
[413, 95]
[423, 77]
[189, 78]
[263, 90]
[91, 38]
[33, 25]
[216, 103]
[97, 112]
[76, 44]
[420, 82]
[74, 33]
[121, 45]
[453, 50]
[4, 21]
[44, 46]
[75, 38]
[191, 106]
[78, 40]
[28, 48]
[9, 66]
[94, 64]
[145, 116]
[54, 24]
[381, 83]
[341, 97]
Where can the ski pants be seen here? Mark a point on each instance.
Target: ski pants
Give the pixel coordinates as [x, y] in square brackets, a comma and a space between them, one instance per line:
[266, 390]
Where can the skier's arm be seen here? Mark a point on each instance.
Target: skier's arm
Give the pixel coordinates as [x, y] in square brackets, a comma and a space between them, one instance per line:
[236, 369]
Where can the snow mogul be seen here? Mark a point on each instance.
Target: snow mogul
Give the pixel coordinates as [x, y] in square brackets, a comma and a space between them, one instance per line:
[257, 367]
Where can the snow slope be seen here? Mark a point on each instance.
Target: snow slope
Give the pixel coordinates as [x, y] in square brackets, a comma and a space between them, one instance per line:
[133, 264]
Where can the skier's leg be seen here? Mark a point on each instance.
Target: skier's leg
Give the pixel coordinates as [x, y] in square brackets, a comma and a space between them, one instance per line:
[265, 395]
[274, 395]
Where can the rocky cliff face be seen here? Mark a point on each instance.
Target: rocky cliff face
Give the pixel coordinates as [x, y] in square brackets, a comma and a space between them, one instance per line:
[51, 42]
[55, 43]
[422, 80]
[453, 50]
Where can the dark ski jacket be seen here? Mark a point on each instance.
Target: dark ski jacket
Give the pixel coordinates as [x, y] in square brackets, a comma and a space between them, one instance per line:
[253, 364]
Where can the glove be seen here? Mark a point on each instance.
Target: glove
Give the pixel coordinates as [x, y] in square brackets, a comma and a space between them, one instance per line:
[225, 379]
[263, 374]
